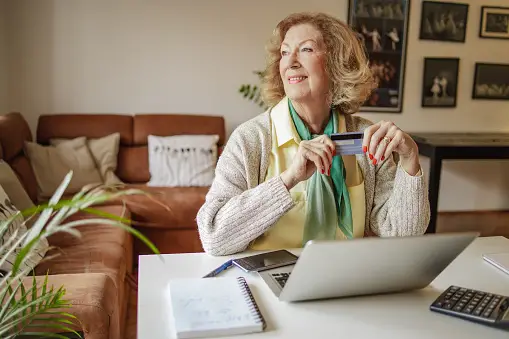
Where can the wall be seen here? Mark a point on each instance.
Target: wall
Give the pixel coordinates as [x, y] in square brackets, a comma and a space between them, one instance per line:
[4, 106]
[184, 56]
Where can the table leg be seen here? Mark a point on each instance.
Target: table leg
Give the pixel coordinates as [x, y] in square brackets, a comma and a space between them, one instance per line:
[435, 171]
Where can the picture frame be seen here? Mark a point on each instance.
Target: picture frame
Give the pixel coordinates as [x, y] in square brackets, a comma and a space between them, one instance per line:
[494, 22]
[444, 21]
[382, 28]
[491, 81]
[440, 82]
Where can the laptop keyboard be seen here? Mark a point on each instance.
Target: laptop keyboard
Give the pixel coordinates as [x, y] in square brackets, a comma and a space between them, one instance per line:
[281, 278]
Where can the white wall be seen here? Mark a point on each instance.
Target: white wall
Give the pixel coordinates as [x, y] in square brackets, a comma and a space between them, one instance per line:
[190, 56]
[4, 106]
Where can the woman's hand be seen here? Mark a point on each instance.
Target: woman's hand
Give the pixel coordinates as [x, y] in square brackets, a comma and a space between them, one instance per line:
[383, 138]
[312, 155]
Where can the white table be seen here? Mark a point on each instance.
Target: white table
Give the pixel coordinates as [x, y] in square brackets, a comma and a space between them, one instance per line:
[402, 315]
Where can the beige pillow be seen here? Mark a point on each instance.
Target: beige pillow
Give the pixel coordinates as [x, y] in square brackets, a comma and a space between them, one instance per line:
[52, 163]
[105, 153]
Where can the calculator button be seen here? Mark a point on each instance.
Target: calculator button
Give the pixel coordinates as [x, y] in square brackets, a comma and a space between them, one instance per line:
[505, 305]
[468, 310]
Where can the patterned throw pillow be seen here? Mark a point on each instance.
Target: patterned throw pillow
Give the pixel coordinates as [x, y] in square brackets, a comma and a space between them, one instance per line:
[182, 160]
[7, 209]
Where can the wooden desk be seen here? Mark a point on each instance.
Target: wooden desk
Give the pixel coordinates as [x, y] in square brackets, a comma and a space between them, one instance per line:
[391, 316]
[459, 146]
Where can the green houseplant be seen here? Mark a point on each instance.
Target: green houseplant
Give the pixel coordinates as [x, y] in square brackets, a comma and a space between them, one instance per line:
[253, 92]
[28, 310]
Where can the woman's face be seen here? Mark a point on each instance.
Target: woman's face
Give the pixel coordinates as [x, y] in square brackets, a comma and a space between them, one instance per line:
[302, 64]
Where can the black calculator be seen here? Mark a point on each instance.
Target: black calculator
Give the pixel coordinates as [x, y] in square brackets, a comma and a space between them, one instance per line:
[478, 306]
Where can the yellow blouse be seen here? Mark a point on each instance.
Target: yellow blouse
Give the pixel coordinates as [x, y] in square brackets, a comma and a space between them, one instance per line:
[288, 231]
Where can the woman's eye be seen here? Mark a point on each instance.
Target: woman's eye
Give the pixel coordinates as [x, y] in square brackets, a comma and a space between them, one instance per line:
[284, 52]
[307, 49]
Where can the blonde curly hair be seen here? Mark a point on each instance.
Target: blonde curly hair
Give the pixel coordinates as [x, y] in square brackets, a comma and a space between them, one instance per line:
[351, 80]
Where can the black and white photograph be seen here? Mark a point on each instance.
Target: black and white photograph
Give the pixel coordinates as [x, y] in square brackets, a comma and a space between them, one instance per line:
[443, 21]
[440, 82]
[382, 27]
[491, 81]
[494, 22]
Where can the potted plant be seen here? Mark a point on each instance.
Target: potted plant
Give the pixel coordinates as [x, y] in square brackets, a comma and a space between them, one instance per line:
[253, 92]
[24, 309]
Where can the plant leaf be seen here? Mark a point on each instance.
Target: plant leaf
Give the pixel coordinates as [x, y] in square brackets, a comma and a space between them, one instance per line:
[46, 213]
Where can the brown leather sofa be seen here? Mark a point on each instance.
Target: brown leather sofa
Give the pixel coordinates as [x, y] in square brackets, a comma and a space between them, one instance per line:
[94, 268]
[168, 216]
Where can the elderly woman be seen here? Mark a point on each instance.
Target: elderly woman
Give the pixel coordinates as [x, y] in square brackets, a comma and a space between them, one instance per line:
[279, 182]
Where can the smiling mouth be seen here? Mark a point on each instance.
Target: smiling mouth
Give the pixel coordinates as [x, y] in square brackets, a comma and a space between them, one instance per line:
[296, 80]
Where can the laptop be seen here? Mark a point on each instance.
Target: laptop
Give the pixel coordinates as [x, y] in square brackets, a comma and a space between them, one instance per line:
[364, 266]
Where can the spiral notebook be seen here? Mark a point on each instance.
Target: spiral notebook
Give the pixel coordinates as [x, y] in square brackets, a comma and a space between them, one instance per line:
[213, 307]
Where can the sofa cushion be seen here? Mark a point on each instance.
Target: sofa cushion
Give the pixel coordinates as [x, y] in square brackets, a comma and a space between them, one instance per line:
[165, 207]
[169, 241]
[176, 124]
[133, 164]
[93, 299]
[69, 126]
[101, 248]
[52, 163]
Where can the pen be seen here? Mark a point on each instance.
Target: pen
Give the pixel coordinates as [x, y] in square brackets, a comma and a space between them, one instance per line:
[220, 269]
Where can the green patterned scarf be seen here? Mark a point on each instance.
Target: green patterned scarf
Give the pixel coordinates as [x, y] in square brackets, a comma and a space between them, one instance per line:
[328, 203]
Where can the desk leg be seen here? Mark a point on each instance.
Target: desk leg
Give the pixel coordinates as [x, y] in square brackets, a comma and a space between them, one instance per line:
[434, 185]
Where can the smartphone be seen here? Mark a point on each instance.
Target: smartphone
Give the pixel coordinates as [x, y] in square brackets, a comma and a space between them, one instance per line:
[265, 261]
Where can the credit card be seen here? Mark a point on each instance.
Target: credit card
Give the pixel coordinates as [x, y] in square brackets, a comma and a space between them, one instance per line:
[348, 143]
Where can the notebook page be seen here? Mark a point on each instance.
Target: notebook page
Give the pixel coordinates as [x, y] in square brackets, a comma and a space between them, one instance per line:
[211, 306]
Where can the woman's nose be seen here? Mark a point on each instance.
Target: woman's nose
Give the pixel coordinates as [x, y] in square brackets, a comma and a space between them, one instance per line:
[293, 61]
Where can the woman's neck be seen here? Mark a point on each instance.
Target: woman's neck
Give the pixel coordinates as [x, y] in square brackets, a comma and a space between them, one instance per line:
[314, 114]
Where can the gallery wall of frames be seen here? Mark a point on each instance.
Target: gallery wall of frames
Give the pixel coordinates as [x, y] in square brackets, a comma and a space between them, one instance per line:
[382, 27]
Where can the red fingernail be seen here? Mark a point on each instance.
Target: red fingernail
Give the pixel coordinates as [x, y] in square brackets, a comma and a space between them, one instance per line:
[371, 156]
[383, 158]
[364, 149]
[334, 152]
[374, 161]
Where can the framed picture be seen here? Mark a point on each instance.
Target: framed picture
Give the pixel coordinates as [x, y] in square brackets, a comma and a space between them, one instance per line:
[494, 22]
[382, 26]
[440, 82]
[443, 21]
[491, 81]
